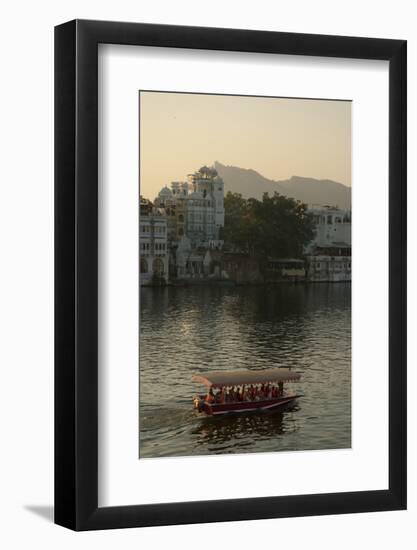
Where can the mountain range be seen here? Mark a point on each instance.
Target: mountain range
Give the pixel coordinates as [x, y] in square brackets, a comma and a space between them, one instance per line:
[250, 183]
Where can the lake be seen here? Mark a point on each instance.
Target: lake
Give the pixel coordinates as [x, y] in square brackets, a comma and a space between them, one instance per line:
[186, 330]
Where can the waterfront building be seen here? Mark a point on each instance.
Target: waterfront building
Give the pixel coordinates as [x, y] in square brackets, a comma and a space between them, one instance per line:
[285, 269]
[332, 225]
[212, 264]
[325, 268]
[189, 261]
[153, 245]
[328, 255]
[208, 183]
[194, 208]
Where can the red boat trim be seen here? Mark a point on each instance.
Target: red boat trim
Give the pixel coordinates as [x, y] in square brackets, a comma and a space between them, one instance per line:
[216, 410]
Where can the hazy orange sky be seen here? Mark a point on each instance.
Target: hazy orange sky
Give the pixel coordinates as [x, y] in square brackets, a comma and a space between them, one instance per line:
[277, 137]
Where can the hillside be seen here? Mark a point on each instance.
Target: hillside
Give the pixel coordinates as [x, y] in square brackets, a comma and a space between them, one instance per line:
[309, 190]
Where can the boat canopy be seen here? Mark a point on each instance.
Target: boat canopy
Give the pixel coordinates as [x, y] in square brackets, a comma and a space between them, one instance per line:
[219, 379]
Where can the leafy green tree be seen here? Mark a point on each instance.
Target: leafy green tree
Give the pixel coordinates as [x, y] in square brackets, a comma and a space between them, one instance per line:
[276, 226]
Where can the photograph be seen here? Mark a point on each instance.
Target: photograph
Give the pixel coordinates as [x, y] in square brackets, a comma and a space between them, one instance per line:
[245, 274]
[186, 357]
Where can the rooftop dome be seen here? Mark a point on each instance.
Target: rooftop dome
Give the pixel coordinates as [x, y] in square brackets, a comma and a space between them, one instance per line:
[165, 192]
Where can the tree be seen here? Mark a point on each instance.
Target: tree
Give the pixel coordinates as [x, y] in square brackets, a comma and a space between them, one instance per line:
[276, 226]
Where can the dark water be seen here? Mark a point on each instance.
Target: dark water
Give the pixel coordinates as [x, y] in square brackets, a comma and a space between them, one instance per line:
[188, 330]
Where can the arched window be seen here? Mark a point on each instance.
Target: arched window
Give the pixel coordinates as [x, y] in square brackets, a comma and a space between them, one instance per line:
[143, 265]
[180, 231]
[180, 218]
[158, 266]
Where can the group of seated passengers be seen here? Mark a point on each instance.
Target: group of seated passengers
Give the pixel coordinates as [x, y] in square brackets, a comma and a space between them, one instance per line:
[251, 393]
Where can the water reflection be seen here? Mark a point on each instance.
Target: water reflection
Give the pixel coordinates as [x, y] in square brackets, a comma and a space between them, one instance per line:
[228, 434]
[196, 329]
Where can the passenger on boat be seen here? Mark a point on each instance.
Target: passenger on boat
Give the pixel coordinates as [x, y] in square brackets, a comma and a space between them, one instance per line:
[220, 396]
[243, 393]
[210, 396]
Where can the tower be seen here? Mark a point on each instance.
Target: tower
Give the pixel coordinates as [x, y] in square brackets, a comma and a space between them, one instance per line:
[218, 196]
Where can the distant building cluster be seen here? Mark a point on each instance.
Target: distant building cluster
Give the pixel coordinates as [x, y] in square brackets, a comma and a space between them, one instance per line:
[153, 245]
[181, 240]
[329, 255]
[194, 208]
[176, 230]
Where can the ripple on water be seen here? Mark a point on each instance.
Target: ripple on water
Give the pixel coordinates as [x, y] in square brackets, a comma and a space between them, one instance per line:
[196, 329]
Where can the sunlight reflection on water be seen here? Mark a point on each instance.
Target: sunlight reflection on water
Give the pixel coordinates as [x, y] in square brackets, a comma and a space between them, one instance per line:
[202, 328]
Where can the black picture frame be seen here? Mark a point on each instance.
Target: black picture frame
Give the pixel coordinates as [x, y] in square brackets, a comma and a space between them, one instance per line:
[76, 272]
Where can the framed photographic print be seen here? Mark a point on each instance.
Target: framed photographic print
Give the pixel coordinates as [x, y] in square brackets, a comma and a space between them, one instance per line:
[230, 275]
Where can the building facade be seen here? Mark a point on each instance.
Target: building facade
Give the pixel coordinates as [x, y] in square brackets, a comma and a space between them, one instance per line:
[285, 269]
[194, 208]
[329, 254]
[153, 245]
[332, 269]
[332, 226]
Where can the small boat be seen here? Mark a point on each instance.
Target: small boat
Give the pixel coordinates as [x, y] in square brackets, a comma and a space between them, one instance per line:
[265, 392]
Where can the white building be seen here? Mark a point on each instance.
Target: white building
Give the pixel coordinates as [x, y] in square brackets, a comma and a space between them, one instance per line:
[328, 255]
[329, 268]
[153, 246]
[333, 226]
[195, 208]
[189, 262]
[211, 186]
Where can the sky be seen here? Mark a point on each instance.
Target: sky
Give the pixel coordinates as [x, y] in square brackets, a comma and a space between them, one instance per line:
[277, 137]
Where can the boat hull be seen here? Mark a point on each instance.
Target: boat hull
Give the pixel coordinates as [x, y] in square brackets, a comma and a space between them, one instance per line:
[217, 409]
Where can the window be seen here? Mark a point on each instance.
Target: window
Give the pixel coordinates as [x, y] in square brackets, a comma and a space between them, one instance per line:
[143, 265]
